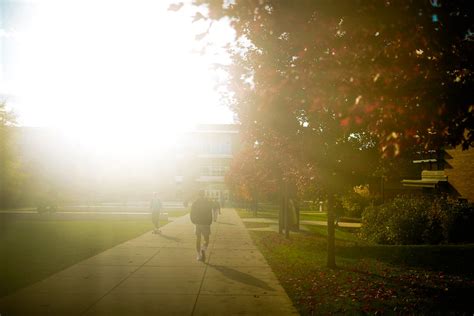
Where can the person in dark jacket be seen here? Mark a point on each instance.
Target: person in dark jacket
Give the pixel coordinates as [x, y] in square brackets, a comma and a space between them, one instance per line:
[201, 216]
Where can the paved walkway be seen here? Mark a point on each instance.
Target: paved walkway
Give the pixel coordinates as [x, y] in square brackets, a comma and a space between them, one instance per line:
[159, 275]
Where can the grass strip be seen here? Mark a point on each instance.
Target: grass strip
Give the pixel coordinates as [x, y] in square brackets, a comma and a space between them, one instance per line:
[32, 250]
[370, 278]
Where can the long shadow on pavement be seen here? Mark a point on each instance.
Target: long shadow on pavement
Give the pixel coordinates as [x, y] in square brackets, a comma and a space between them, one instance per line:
[241, 277]
[169, 237]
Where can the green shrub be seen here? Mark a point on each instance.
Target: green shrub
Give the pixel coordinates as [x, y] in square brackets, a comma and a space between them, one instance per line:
[353, 204]
[418, 220]
[458, 225]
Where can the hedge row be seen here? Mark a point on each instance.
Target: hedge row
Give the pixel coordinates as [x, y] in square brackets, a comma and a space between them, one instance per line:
[419, 220]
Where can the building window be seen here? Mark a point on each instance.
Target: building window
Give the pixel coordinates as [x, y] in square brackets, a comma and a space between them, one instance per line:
[214, 168]
[218, 147]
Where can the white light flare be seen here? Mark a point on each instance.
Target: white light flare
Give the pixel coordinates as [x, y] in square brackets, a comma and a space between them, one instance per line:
[115, 74]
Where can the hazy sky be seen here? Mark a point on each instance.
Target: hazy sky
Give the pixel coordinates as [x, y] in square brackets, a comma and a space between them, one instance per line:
[98, 69]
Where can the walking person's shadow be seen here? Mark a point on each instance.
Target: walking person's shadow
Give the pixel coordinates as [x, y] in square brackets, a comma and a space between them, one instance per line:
[241, 277]
[176, 239]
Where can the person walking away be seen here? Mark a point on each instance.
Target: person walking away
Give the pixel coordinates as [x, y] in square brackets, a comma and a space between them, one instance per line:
[155, 207]
[222, 201]
[216, 210]
[201, 217]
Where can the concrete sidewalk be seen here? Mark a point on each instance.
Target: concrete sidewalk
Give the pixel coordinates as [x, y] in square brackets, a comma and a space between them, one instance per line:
[159, 275]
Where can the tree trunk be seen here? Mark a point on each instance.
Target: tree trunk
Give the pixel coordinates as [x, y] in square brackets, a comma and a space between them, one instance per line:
[280, 214]
[287, 211]
[287, 219]
[254, 202]
[331, 259]
[297, 210]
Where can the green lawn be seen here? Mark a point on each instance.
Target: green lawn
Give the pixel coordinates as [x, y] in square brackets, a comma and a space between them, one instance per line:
[304, 215]
[259, 214]
[31, 250]
[370, 278]
[256, 225]
[313, 216]
[273, 213]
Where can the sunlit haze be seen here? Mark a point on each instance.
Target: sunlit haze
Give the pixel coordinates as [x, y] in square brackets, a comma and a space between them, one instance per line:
[111, 74]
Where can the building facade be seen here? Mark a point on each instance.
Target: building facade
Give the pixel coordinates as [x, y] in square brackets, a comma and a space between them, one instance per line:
[447, 171]
[203, 159]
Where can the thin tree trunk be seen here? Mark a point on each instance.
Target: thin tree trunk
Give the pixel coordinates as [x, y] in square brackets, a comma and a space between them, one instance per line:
[331, 259]
[287, 219]
[280, 214]
[287, 212]
[297, 211]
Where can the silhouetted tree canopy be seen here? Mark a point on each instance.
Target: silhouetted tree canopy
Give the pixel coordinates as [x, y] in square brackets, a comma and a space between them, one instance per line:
[400, 71]
[11, 175]
[325, 80]
[329, 83]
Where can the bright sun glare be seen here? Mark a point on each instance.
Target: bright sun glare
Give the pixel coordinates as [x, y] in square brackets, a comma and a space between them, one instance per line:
[116, 73]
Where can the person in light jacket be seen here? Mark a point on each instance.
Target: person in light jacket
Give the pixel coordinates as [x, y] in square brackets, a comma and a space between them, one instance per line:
[155, 208]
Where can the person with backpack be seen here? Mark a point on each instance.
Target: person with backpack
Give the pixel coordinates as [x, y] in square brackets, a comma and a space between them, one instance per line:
[201, 217]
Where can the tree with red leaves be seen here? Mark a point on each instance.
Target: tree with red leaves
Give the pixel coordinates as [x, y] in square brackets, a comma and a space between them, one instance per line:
[328, 84]
[249, 180]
